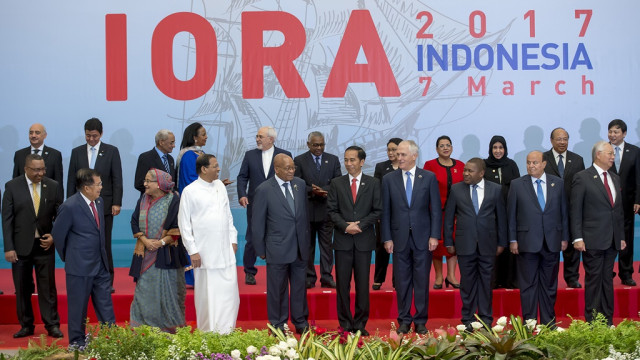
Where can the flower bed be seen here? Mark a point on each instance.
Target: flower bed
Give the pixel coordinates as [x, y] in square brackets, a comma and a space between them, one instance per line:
[508, 339]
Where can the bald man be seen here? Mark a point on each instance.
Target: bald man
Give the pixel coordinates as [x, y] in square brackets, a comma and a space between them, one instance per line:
[52, 157]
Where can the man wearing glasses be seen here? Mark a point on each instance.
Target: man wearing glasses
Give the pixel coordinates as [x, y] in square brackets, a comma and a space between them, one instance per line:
[29, 207]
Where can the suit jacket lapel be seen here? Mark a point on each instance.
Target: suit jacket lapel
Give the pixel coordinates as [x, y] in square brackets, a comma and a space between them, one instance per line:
[400, 184]
[27, 193]
[597, 181]
[417, 181]
[280, 195]
[553, 165]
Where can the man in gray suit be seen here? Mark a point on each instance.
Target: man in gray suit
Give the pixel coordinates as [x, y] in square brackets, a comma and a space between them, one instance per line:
[317, 168]
[538, 231]
[597, 227]
[280, 236]
[476, 208]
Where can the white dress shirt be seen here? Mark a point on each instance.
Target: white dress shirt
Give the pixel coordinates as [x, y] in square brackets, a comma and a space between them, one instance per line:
[543, 184]
[557, 159]
[480, 191]
[413, 177]
[358, 178]
[267, 157]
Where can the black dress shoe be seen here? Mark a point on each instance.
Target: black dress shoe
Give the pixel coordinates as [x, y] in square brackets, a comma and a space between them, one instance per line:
[1, 292]
[421, 329]
[574, 284]
[376, 286]
[403, 329]
[55, 332]
[629, 282]
[328, 284]
[311, 285]
[23, 333]
[249, 279]
[302, 330]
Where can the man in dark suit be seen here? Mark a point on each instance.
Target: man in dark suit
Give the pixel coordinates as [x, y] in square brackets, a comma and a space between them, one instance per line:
[105, 159]
[410, 231]
[355, 205]
[597, 226]
[538, 231]
[257, 166]
[317, 168]
[627, 166]
[280, 236]
[52, 157]
[565, 164]
[28, 209]
[79, 237]
[159, 158]
[476, 210]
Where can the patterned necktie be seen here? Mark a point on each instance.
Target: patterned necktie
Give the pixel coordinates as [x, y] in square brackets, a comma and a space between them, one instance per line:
[617, 159]
[606, 186]
[540, 194]
[92, 163]
[36, 151]
[165, 162]
[289, 197]
[408, 188]
[36, 198]
[474, 198]
[560, 166]
[354, 189]
[95, 213]
[318, 163]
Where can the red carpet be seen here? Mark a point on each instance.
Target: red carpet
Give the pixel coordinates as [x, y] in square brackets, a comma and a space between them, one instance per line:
[444, 305]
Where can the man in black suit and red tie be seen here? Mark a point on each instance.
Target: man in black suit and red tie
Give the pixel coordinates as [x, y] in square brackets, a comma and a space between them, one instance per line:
[354, 204]
[565, 164]
[52, 157]
[597, 226]
[476, 209]
[29, 207]
[157, 158]
[627, 165]
[411, 224]
[538, 231]
[105, 159]
[317, 168]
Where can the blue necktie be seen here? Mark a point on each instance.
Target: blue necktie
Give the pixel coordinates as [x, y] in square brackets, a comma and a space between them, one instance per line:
[540, 194]
[289, 197]
[92, 163]
[474, 198]
[318, 163]
[165, 162]
[617, 159]
[409, 188]
[560, 166]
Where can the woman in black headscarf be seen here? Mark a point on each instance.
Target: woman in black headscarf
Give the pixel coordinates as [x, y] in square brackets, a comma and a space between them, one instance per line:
[501, 170]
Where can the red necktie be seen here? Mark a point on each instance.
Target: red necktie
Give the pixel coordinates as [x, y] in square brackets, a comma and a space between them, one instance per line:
[354, 189]
[606, 186]
[95, 213]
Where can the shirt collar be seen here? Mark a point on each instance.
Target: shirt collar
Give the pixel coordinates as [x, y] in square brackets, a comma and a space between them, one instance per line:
[555, 153]
[598, 169]
[97, 146]
[86, 199]
[543, 178]
[38, 148]
[412, 171]
[359, 177]
[160, 153]
[480, 184]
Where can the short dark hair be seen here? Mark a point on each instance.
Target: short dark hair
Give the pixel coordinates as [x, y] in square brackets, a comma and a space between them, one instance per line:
[479, 163]
[93, 124]
[361, 154]
[32, 157]
[396, 141]
[203, 160]
[618, 123]
[443, 137]
[84, 177]
[190, 132]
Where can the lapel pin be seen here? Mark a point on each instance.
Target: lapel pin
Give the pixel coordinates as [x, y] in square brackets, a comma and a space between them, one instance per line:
[46, 153]
[100, 154]
[569, 160]
[387, 169]
[553, 184]
[326, 161]
[455, 170]
[44, 185]
[494, 170]
[295, 187]
[420, 176]
[595, 176]
[361, 184]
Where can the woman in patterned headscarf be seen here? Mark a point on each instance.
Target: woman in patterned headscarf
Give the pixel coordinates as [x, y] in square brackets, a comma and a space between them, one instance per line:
[159, 256]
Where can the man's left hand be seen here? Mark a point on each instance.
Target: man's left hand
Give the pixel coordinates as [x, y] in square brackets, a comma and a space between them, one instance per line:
[500, 250]
[636, 208]
[564, 245]
[433, 244]
[115, 210]
[46, 241]
[196, 261]
[623, 245]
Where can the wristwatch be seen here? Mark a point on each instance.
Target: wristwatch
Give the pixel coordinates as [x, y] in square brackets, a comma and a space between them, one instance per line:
[162, 242]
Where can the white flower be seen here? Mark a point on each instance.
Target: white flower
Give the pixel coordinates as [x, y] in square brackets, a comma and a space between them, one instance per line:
[559, 329]
[530, 323]
[292, 354]
[502, 321]
[476, 325]
[461, 328]
[283, 346]
[292, 342]
[497, 328]
[235, 354]
[251, 349]
[275, 351]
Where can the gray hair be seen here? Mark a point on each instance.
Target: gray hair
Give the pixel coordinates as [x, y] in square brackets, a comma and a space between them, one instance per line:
[162, 135]
[413, 147]
[598, 147]
[314, 134]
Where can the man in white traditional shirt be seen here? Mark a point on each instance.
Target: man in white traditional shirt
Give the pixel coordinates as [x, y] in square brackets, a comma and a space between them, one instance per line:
[207, 230]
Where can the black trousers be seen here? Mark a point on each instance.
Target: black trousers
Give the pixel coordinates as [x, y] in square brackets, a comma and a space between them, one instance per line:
[286, 289]
[598, 284]
[538, 280]
[382, 258]
[625, 257]
[324, 232]
[356, 263]
[108, 229]
[476, 291]
[412, 268]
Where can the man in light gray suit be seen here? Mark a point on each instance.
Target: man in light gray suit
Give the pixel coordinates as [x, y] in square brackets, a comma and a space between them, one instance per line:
[597, 227]
[281, 237]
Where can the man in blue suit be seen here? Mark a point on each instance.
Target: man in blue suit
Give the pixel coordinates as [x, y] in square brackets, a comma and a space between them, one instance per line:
[281, 237]
[410, 231]
[257, 166]
[79, 236]
[476, 209]
[538, 231]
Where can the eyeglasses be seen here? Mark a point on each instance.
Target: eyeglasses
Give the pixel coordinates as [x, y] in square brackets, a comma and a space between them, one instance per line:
[149, 181]
[289, 168]
[98, 184]
[37, 169]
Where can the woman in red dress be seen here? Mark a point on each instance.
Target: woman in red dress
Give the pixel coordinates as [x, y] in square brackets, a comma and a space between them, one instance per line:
[448, 172]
